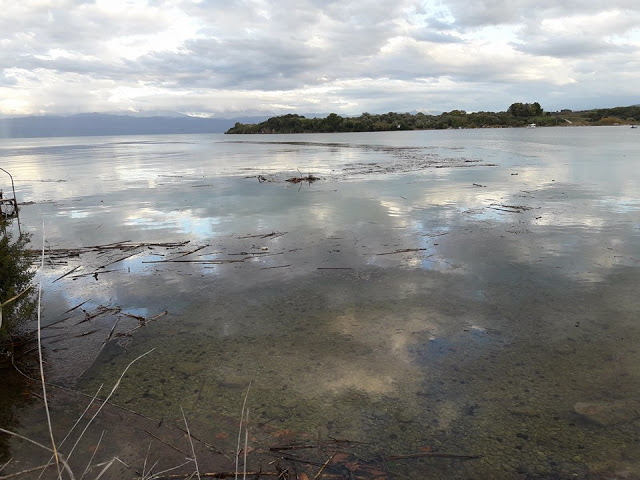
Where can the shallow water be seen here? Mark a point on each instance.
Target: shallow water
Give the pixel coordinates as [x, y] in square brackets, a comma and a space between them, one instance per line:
[458, 291]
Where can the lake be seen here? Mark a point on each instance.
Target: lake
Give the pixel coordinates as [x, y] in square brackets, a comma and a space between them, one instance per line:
[439, 304]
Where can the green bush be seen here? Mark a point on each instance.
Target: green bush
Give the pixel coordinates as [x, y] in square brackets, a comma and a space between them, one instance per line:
[16, 273]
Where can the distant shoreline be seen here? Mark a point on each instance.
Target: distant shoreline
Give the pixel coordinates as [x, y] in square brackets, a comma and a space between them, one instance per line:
[88, 125]
[518, 115]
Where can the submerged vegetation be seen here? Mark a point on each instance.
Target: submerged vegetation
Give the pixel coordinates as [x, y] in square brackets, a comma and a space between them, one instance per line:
[517, 115]
[16, 304]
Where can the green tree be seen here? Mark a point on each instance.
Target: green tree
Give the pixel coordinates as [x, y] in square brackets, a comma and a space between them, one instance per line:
[525, 110]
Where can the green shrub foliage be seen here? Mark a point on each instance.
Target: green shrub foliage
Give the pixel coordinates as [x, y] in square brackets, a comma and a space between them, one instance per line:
[16, 273]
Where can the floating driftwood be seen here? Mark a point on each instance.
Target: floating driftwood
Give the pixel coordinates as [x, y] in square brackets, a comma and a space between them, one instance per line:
[61, 253]
[186, 476]
[510, 208]
[205, 262]
[100, 310]
[93, 274]
[268, 235]
[142, 322]
[404, 250]
[67, 273]
[431, 455]
[309, 178]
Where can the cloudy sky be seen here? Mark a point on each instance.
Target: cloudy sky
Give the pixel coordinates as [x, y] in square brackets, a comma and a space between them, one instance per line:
[228, 57]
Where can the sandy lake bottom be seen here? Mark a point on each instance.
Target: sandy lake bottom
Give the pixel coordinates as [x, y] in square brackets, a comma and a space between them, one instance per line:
[433, 307]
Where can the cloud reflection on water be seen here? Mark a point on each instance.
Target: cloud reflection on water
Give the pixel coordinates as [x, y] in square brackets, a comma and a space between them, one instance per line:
[353, 305]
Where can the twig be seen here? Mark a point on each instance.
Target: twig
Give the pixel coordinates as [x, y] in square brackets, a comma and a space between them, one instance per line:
[68, 273]
[189, 253]
[101, 310]
[506, 210]
[213, 448]
[143, 323]
[50, 325]
[324, 465]
[94, 273]
[83, 334]
[207, 262]
[155, 317]
[291, 447]
[117, 260]
[16, 297]
[115, 324]
[296, 459]
[167, 443]
[73, 308]
[404, 250]
[6, 463]
[431, 235]
[193, 452]
[257, 473]
[431, 454]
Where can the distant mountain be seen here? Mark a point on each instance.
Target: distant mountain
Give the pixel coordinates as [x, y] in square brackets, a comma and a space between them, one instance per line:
[88, 124]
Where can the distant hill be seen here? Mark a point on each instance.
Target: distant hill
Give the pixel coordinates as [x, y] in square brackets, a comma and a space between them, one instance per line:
[87, 124]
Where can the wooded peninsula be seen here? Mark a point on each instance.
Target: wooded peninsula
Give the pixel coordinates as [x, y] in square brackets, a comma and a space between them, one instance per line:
[517, 115]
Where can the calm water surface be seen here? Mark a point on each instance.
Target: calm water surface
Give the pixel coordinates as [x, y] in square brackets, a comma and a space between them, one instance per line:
[464, 292]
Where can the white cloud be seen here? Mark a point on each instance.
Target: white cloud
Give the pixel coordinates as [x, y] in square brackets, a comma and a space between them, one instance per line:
[257, 56]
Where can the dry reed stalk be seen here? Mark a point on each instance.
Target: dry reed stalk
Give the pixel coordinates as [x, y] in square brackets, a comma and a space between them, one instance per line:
[151, 469]
[88, 467]
[74, 426]
[144, 465]
[157, 475]
[64, 463]
[13, 299]
[28, 470]
[324, 465]
[244, 404]
[246, 442]
[106, 467]
[5, 464]
[105, 401]
[44, 386]
[193, 452]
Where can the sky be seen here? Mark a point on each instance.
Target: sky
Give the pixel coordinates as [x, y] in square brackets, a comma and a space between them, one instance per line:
[226, 58]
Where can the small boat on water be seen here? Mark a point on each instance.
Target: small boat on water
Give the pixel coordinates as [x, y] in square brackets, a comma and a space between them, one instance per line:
[634, 126]
[532, 125]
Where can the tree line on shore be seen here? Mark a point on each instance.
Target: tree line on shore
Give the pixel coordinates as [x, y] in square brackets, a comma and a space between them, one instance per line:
[517, 115]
